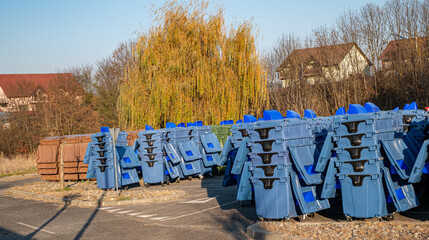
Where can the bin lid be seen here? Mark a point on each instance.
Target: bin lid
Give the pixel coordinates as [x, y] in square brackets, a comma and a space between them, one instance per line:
[308, 113]
[411, 106]
[249, 118]
[292, 114]
[340, 111]
[272, 115]
[371, 107]
[356, 109]
[104, 129]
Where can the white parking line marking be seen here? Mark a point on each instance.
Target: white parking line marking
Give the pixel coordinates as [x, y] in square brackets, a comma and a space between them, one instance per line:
[105, 208]
[133, 214]
[146, 216]
[124, 211]
[192, 213]
[114, 210]
[159, 218]
[202, 200]
[35, 228]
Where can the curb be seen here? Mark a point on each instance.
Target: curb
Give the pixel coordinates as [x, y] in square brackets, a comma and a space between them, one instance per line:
[81, 203]
[18, 177]
[254, 231]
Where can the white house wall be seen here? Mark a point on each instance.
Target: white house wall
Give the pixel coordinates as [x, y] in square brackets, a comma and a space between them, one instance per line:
[3, 97]
[354, 62]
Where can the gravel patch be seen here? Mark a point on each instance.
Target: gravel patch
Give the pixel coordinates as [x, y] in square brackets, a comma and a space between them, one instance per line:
[350, 230]
[88, 191]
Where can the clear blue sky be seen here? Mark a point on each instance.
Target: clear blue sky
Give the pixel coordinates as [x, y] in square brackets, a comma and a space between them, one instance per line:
[43, 36]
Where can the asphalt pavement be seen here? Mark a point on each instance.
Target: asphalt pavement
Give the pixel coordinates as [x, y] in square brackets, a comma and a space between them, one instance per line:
[208, 211]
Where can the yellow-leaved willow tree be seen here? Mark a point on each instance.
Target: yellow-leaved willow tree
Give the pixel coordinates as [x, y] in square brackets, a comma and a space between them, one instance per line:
[190, 67]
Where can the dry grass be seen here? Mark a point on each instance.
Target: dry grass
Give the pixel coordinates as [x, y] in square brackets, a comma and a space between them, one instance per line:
[19, 164]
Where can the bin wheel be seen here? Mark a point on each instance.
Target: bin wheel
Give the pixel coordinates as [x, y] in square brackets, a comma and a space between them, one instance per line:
[167, 182]
[349, 219]
[162, 184]
[311, 215]
[190, 178]
[147, 185]
[201, 177]
[380, 219]
[261, 219]
[390, 217]
[177, 180]
[302, 218]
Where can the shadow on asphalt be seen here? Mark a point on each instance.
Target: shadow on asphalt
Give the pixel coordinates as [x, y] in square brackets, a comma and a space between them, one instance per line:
[7, 234]
[67, 200]
[91, 218]
[241, 218]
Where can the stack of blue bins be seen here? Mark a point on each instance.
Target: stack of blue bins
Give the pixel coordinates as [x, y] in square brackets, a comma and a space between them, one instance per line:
[283, 156]
[241, 164]
[128, 160]
[208, 145]
[178, 139]
[415, 126]
[150, 151]
[372, 164]
[231, 149]
[321, 126]
[100, 157]
[415, 136]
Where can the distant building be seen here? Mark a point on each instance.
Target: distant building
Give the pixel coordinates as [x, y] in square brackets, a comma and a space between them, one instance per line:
[403, 52]
[335, 62]
[25, 90]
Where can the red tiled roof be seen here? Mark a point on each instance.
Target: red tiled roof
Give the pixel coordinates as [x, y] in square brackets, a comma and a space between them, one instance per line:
[24, 85]
[396, 47]
[327, 55]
